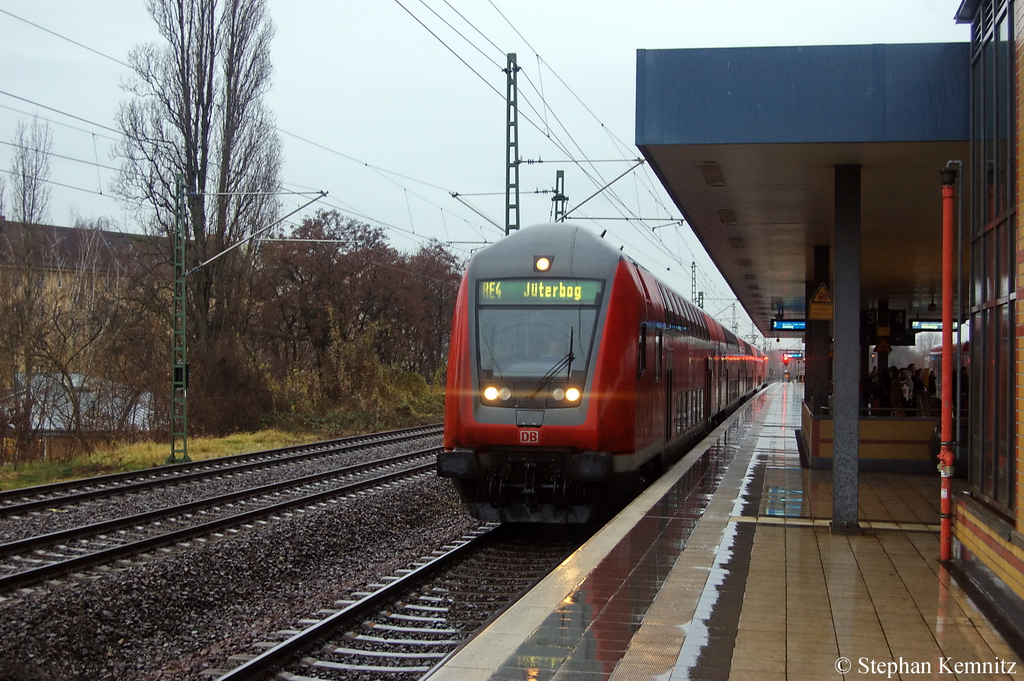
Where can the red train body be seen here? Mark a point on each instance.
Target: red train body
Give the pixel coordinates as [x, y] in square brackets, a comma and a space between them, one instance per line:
[575, 377]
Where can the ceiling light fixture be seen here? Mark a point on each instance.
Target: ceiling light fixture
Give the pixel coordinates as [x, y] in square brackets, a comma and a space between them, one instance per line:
[712, 173]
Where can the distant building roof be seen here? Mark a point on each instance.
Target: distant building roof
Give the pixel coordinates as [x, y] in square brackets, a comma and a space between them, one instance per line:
[62, 248]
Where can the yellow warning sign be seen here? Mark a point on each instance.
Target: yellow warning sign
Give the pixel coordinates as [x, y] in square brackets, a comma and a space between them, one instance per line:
[820, 305]
[822, 295]
[883, 346]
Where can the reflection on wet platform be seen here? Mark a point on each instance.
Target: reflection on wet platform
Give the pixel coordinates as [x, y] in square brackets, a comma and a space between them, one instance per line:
[730, 572]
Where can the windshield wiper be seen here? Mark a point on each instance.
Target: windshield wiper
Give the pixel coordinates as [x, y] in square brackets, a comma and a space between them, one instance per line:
[566, 361]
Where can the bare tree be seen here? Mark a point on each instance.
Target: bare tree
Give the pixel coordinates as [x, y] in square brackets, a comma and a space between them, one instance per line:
[3, 197]
[66, 332]
[197, 109]
[30, 171]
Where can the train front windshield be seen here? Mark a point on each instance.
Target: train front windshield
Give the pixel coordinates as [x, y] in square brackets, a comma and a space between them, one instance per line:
[527, 328]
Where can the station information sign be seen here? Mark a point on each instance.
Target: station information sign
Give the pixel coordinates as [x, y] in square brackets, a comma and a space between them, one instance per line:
[789, 325]
[888, 324]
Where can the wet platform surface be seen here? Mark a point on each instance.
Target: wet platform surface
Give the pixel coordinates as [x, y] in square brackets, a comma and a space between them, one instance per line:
[725, 568]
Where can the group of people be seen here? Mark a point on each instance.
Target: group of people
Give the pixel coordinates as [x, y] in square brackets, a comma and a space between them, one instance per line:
[900, 392]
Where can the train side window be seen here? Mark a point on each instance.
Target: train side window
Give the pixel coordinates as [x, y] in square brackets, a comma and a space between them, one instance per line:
[681, 308]
[641, 352]
[658, 352]
[671, 315]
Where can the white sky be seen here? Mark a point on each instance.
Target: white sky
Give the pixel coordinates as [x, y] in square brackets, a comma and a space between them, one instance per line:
[365, 80]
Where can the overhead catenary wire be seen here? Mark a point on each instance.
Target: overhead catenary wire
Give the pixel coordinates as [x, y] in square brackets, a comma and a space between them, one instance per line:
[377, 169]
[382, 171]
[634, 218]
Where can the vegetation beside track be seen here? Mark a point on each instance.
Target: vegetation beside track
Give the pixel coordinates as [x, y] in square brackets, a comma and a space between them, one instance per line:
[119, 457]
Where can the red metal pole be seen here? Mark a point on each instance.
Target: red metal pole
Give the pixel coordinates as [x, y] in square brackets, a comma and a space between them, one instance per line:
[946, 451]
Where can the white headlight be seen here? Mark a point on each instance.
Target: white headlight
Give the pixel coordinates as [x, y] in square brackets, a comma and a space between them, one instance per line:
[558, 394]
[504, 393]
[572, 394]
[490, 393]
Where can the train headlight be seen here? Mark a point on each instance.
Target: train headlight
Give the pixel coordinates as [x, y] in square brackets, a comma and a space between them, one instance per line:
[542, 263]
[492, 393]
[558, 394]
[572, 394]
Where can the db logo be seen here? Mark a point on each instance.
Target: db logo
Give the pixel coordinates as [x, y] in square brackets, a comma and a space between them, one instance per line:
[529, 437]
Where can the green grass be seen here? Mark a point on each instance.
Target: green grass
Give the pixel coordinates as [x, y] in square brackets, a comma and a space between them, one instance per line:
[137, 456]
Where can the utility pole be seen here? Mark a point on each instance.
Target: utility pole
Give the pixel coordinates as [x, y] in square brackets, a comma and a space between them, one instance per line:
[179, 356]
[179, 359]
[560, 199]
[512, 147]
[696, 297]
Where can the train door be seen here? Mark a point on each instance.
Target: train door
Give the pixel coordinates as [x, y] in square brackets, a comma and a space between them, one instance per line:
[721, 384]
[670, 416]
[709, 382]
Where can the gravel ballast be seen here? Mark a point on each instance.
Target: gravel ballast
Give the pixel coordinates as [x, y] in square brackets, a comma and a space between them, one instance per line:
[173, 616]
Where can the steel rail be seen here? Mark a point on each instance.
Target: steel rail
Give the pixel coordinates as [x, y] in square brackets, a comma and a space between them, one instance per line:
[261, 665]
[31, 543]
[43, 572]
[120, 483]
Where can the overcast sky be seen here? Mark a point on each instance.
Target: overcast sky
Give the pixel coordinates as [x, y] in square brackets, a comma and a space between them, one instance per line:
[394, 121]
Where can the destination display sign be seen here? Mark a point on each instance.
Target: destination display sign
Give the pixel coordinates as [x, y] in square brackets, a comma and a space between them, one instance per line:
[789, 325]
[539, 291]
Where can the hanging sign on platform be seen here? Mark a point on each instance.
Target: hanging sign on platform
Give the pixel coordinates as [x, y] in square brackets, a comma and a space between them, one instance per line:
[820, 305]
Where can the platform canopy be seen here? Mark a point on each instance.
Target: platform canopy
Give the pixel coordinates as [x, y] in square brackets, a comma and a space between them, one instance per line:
[745, 140]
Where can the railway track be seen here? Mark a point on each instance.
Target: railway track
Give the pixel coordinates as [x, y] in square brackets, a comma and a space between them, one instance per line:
[408, 624]
[33, 559]
[20, 502]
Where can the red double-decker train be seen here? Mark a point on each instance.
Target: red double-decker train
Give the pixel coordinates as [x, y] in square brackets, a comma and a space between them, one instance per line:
[575, 377]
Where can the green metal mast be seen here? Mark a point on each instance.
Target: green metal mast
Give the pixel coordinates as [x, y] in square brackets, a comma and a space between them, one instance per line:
[512, 147]
[179, 361]
[560, 199]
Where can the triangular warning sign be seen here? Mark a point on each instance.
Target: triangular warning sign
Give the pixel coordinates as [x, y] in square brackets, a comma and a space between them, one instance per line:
[822, 295]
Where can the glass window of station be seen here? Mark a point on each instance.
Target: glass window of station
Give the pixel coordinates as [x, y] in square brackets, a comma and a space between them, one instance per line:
[988, 375]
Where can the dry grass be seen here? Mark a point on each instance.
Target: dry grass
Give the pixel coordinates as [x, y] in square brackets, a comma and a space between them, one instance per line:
[136, 456]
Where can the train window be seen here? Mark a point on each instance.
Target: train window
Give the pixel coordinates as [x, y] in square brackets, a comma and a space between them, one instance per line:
[669, 304]
[526, 327]
[641, 352]
[681, 308]
[658, 353]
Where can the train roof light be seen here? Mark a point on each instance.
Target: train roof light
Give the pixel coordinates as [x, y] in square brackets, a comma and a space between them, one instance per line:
[542, 263]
